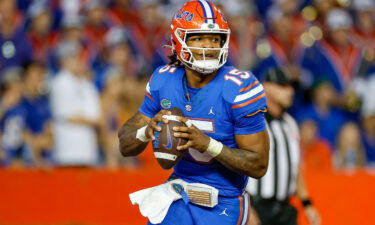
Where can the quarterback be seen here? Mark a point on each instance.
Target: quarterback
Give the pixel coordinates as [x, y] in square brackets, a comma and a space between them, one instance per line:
[223, 107]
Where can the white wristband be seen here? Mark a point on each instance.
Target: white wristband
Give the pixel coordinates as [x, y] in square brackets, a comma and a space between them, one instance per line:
[141, 134]
[214, 147]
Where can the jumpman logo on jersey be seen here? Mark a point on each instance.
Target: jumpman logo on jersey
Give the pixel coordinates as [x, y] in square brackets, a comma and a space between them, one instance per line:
[211, 112]
[224, 212]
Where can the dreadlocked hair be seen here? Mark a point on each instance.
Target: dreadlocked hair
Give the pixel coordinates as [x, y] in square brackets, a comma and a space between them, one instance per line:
[174, 61]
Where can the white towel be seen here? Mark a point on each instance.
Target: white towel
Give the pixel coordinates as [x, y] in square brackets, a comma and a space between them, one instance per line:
[154, 202]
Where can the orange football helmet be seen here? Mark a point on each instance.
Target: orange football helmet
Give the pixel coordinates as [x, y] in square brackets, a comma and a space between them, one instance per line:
[199, 17]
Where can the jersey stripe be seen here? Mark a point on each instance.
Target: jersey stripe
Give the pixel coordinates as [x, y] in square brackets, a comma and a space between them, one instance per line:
[249, 102]
[246, 209]
[249, 94]
[259, 110]
[207, 11]
[149, 96]
[241, 210]
[148, 91]
[212, 12]
[148, 88]
[250, 86]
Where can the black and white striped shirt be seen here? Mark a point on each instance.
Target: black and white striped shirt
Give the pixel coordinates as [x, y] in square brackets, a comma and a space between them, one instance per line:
[280, 181]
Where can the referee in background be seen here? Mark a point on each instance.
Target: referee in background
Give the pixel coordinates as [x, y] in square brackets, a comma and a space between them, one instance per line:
[270, 195]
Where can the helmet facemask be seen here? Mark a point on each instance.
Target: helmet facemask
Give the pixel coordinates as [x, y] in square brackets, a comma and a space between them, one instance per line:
[204, 65]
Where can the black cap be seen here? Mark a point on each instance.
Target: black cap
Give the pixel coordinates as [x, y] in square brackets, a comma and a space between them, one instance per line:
[277, 76]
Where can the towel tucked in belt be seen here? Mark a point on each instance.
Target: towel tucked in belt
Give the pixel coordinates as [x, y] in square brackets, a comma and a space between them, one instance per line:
[154, 202]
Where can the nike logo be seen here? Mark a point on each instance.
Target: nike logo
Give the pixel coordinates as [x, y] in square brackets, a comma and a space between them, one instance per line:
[169, 143]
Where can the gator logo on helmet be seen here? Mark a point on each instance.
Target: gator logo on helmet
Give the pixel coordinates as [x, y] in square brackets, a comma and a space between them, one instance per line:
[185, 15]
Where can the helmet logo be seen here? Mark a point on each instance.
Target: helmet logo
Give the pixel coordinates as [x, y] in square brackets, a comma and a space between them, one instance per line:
[211, 25]
[185, 15]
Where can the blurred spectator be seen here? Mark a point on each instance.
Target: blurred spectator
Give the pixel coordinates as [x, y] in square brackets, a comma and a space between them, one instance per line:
[334, 58]
[118, 57]
[38, 132]
[245, 28]
[114, 101]
[364, 29]
[365, 89]
[349, 153]
[364, 32]
[322, 111]
[323, 7]
[291, 8]
[316, 152]
[12, 120]
[96, 25]
[148, 34]
[72, 31]
[15, 50]
[121, 13]
[40, 33]
[280, 48]
[75, 106]
[368, 138]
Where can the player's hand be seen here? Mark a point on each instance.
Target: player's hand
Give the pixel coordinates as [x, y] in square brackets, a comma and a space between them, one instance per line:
[196, 139]
[312, 215]
[153, 124]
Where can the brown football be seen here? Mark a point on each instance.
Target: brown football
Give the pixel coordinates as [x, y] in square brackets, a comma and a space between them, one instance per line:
[165, 143]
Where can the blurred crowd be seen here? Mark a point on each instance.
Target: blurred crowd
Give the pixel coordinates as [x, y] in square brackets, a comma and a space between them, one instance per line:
[71, 71]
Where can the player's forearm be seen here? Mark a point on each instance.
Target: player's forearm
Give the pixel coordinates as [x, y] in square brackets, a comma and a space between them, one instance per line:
[129, 144]
[246, 162]
[301, 191]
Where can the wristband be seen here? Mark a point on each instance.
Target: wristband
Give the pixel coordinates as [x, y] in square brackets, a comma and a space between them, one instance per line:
[214, 147]
[306, 202]
[141, 134]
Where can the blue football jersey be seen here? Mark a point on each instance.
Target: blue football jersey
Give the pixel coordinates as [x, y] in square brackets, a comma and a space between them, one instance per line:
[38, 113]
[217, 110]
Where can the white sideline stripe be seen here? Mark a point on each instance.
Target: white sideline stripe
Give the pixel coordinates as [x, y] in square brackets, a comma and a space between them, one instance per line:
[249, 94]
[208, 11]
[163, 155]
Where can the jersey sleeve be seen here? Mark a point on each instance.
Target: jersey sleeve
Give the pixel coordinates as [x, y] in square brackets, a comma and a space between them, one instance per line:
[151, 102]
[250, 124]
[246, 101]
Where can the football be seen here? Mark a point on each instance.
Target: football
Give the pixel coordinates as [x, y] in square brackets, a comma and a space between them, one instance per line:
[165, 144]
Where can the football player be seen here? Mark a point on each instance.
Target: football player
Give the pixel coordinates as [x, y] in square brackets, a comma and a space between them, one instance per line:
[226, 132]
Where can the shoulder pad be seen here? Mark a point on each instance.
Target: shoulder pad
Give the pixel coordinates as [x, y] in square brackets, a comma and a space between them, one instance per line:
[237, 83]
[160, 76]
[243, 93]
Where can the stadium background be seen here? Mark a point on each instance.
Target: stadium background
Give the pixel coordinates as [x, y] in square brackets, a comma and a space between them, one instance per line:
[327, 47]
